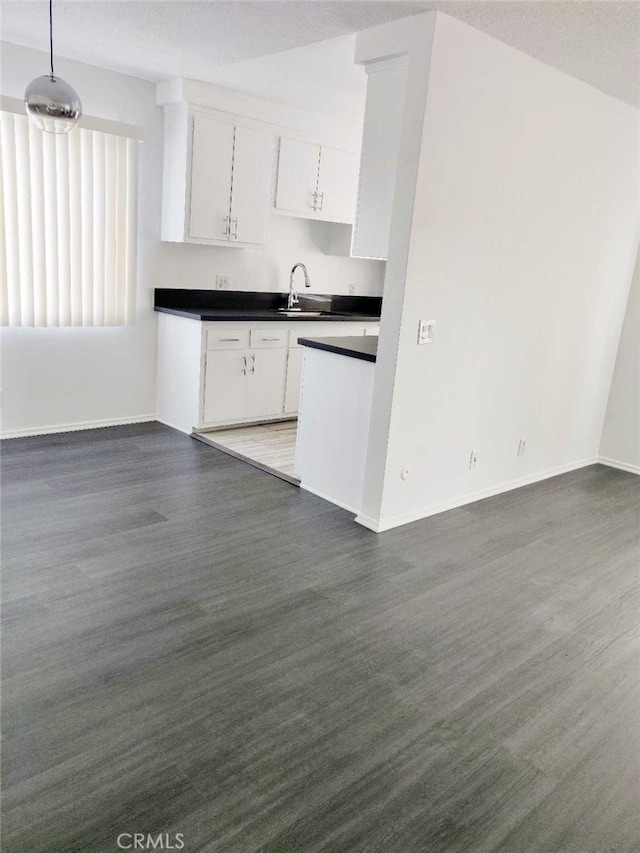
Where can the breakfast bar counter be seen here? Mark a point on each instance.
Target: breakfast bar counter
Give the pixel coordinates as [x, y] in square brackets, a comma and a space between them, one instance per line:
[334, 416]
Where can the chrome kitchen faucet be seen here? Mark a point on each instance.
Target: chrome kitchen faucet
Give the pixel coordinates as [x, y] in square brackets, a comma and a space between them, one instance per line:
[293, 296]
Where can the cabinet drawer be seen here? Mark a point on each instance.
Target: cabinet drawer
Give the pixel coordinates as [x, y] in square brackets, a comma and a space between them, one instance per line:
[227, 339]
[266, 339]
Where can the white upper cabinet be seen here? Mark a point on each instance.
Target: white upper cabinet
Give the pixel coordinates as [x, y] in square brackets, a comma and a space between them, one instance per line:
[216, 181]
[251, 185]
[211, 174]
[379, 160]
[337, 184]
[297, 176]
[316, 182]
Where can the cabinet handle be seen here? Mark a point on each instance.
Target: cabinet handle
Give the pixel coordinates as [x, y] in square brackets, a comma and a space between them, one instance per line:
[314, 202]
[235, 232]
[230, 340]
[321, 196]
[253, 364]
[271, 339]
[226, 226]
[244, 364]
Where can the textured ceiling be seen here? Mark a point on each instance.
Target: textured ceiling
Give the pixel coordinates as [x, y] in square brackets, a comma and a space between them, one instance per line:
[597, 41]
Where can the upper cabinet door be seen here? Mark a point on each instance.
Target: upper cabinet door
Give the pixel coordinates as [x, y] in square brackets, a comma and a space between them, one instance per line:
[337, 185]
[251, 185]
[211, 167]
[297, 176]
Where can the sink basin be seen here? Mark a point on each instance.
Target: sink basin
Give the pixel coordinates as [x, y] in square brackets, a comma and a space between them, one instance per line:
[287, 313]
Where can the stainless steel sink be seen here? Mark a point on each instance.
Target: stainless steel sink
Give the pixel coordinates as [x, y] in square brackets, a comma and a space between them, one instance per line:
[286, 313]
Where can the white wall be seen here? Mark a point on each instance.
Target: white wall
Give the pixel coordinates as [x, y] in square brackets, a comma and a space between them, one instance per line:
[290, 240]
[56, 378]
[60, 377]
[518, 237]
[620, 444]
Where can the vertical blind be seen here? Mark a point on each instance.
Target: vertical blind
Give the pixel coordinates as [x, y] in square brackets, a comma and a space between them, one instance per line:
[68, 226]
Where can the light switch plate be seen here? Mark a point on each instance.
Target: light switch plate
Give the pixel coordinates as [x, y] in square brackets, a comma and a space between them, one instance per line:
[426, 329]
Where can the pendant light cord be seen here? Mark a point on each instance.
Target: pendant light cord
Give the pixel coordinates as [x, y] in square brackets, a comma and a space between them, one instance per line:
[51, 34]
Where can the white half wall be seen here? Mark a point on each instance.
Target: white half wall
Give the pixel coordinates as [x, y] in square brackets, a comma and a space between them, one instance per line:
[620, 444]
[57, 379]
[518, 239]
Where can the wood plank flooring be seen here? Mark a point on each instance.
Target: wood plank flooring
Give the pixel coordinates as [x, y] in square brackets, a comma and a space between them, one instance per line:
[192, 646]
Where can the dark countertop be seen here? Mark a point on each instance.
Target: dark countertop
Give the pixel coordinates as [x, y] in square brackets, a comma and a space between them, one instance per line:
[257, 314]
[364, 347]
[257, 306]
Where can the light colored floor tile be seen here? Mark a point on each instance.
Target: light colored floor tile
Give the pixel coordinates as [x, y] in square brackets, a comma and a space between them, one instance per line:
[273, 445]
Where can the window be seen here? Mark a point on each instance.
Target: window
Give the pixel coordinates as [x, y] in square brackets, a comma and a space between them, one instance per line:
[68, 226]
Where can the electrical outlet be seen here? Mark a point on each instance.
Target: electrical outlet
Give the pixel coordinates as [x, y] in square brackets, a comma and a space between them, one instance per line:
[352, 289]
[473, 460]
[426, 330]
[223, 282]
[522, 446]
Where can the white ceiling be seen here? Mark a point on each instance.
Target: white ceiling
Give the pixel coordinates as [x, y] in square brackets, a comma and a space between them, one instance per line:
[279, 49]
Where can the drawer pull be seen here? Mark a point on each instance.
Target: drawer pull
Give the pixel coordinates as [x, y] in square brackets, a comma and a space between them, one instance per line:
[229, 340]
[271, 339]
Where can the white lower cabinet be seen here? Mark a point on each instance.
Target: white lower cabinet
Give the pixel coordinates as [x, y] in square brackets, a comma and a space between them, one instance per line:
[264, 387]
[222, 374]
[243, 385]
[224, 385]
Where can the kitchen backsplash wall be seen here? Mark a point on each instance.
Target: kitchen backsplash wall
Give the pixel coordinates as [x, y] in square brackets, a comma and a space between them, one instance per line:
[290, 240]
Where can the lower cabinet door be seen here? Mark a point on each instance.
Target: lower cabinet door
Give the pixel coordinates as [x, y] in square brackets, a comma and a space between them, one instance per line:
[294, 375]
[225, 386]
[264, 396]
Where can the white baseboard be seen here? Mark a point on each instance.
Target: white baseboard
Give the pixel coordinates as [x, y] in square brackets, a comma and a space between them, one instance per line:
[382, 524]
[622, 466]
[50, 430]
[173, 426]
[327, 498]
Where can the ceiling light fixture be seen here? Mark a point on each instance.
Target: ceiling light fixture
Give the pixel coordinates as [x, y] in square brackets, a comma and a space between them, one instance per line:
[50, 102]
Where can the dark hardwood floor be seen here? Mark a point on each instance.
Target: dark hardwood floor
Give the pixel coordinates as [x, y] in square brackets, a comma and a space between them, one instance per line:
[192, 646]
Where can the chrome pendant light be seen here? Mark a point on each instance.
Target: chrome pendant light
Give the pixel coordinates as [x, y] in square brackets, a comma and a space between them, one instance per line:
[50, 102]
